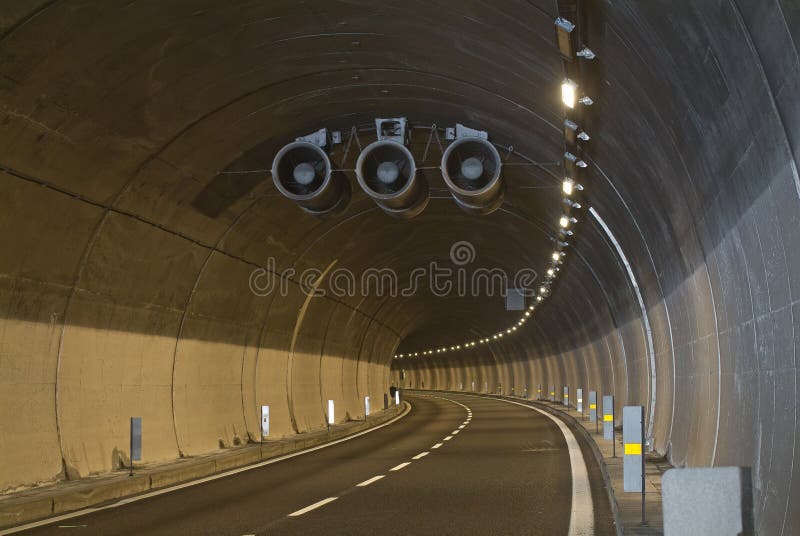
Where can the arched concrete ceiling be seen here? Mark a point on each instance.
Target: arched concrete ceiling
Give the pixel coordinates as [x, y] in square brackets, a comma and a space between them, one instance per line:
[125, 245]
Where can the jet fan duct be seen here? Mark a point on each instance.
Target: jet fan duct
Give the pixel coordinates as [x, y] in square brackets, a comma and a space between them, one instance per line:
[387, 173]
[471, 169]
[302, 172]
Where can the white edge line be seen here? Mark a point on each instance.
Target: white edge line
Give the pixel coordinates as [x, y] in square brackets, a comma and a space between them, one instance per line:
[420, 455]
[581, 517]
[128, 500]
[437, 445]
[370, 481]
[314, 506]
[398, 467]
[448, 438]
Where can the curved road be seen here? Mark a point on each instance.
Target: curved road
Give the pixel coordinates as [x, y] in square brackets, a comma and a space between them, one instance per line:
[455, 464]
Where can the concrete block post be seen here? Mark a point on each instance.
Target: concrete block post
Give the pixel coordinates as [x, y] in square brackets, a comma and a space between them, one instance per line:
[712, 501]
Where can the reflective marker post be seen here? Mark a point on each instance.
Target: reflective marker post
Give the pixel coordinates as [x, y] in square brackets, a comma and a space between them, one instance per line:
[552, 393]
[366, 407]
[566, 396]
[397, 397]
[264, 422]
[633, 471]
[330, 414]
[136, 441]
[593, 409]
[473, 387]
[579, 394]
[539, 392]
[608, 422]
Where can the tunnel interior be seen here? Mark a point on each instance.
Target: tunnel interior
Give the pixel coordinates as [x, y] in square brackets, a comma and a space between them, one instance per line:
[151, 267]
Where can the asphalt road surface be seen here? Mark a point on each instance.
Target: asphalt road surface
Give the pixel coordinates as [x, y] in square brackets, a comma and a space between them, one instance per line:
[455, 464]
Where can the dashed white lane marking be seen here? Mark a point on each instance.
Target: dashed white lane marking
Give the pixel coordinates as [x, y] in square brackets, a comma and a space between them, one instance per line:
[420, 455]
[370, 481]
[436, 446]
[448, 438]
[398, 467]
[462, 426]
[314, 506]
[454, 432]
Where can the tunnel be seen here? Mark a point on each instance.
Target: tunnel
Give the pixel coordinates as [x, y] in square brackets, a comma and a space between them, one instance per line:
[158, 263]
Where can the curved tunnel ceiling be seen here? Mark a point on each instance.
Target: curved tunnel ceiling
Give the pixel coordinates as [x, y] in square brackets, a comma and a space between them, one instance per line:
[117, 118]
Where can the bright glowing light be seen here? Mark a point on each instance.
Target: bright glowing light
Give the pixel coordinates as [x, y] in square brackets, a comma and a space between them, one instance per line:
[569, 91]
[568, 186]
[528, 313]
[508, 331]
[551, 272]
[556, 256]
[542, 290]
[530, 308]
[538, 298]
[563, 222]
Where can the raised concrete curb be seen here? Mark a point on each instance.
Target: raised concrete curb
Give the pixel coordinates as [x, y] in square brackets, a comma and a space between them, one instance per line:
[39, 503]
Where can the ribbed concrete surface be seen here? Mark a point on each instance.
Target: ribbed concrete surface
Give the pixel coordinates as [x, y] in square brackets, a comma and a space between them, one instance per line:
[125, 256]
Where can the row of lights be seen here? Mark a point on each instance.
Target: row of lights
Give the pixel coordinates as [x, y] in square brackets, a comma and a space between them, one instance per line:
[574, 138]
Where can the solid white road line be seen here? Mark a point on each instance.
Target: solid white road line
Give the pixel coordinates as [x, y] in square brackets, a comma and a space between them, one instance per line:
[581, 517]
[398, 467]
[420, 455]
[78, 513]
[370, 481]
[448, 438]
[314, 506]
[437, 445]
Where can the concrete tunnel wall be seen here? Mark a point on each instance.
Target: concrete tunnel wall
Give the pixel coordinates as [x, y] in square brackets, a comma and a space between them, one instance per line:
[126, 257]
[109, 318]
[694, 169]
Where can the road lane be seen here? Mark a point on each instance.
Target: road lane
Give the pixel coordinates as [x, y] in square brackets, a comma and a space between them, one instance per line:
[236, 504]
[506, 472]
[455, 465]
